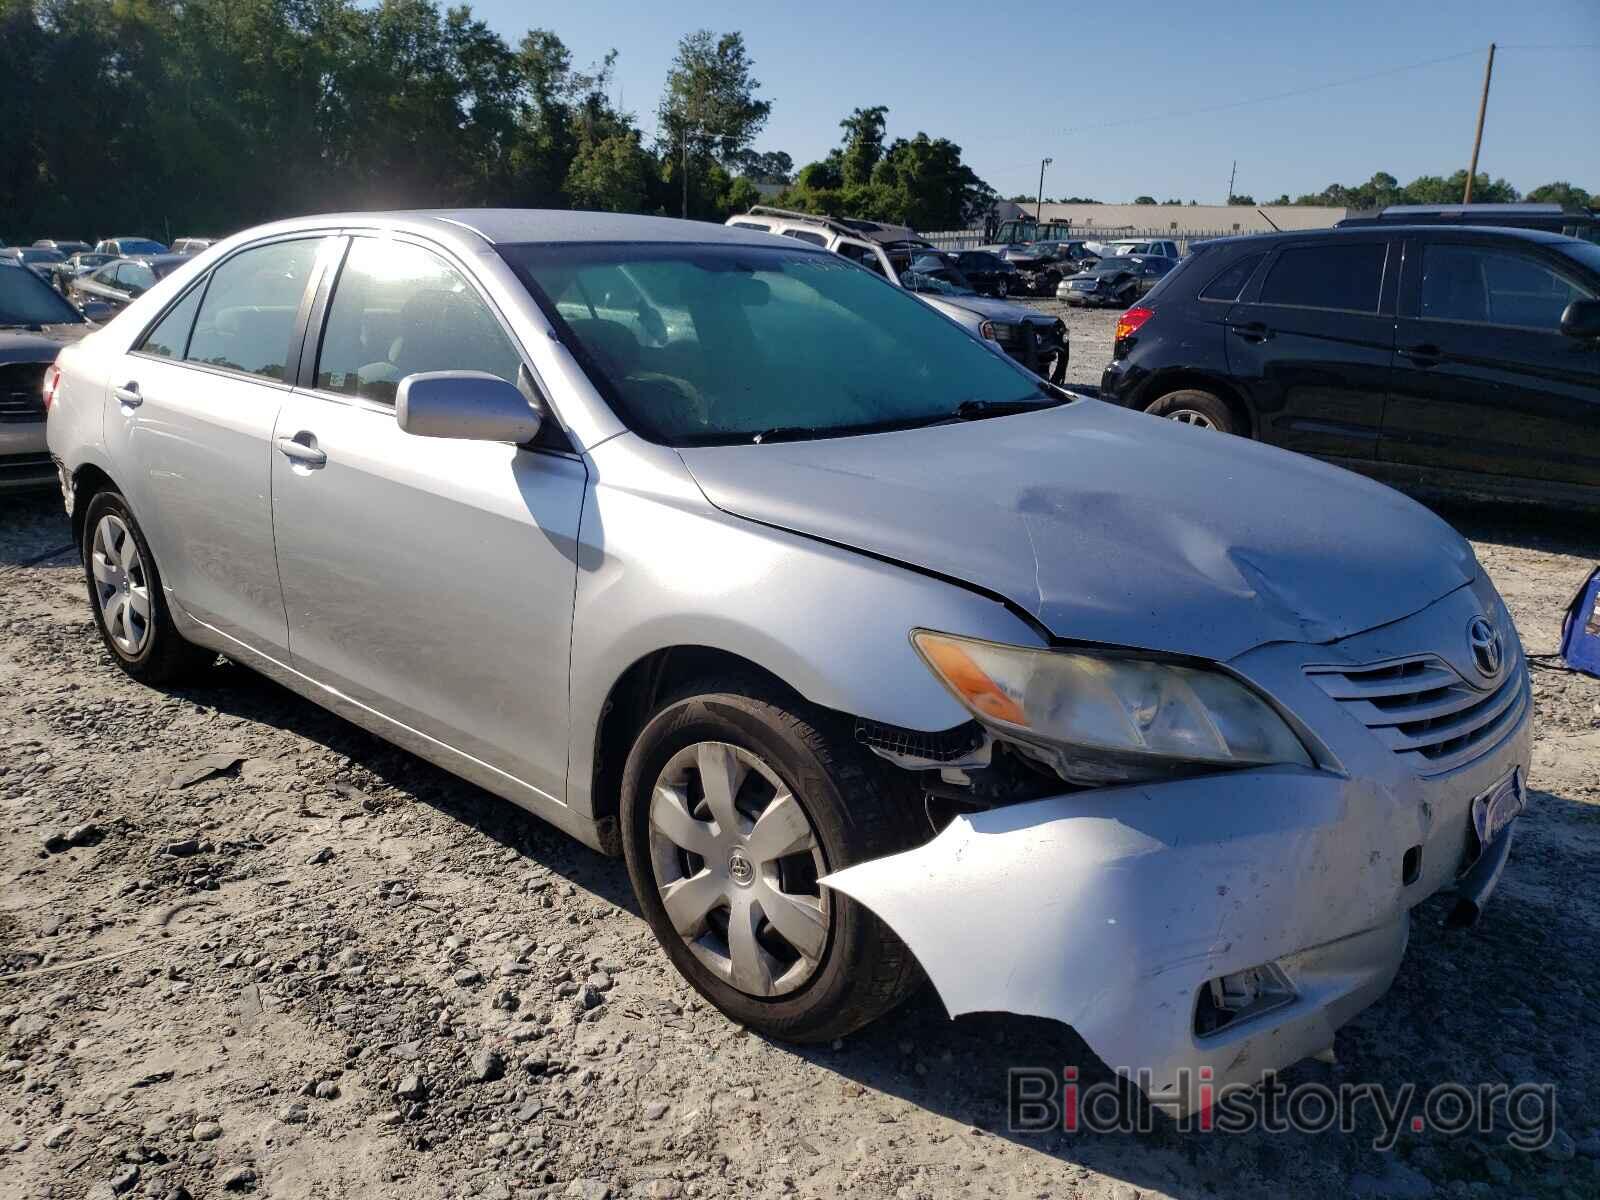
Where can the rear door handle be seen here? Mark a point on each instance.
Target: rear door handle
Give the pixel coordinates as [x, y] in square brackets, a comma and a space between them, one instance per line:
[128, 394]
[302, 448]
[1254, 331]
[1425, 355]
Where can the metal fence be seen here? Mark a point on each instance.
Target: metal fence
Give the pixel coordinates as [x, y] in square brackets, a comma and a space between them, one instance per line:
[965, 239]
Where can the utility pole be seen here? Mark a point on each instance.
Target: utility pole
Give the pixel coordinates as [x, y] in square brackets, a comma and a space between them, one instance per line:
[1232, 174]
[1038, 210]
[1477, 138]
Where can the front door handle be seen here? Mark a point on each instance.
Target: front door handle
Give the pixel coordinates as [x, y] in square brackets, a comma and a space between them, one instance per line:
[128, 394]
[1254, 331]
[1425, 355]
[302, 448]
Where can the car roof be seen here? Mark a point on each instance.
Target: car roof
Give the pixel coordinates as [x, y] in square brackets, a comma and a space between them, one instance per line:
[1388, 228]
[502, 226]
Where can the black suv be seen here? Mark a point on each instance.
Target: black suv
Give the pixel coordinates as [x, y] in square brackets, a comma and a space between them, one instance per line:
[1434, 357]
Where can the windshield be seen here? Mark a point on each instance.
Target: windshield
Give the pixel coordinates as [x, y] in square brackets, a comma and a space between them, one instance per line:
[698, 344]
[42, 256]
[942, 284]
[140, 246]
[25, 299]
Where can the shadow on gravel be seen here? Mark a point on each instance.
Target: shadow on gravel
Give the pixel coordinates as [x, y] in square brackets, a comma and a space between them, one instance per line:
[1529, 528]
[32, 525]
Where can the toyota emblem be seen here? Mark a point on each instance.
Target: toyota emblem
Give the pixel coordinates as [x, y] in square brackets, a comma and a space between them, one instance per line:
[1487, 652]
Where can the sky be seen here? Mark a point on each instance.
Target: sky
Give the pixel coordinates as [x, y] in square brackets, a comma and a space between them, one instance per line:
[1113, 93]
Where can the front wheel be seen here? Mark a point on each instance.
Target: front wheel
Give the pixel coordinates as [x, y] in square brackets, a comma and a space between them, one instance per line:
[735, 802]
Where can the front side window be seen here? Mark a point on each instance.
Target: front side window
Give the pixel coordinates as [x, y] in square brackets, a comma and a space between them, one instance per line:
[399, 310]
[720, 343]
[248, 314]
[169, 338]
[1346, 276]
[1488, 286]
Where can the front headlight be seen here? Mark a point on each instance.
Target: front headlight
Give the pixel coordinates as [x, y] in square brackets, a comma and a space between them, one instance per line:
[1098, 718]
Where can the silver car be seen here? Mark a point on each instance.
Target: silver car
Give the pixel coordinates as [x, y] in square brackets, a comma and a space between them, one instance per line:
[874, 654]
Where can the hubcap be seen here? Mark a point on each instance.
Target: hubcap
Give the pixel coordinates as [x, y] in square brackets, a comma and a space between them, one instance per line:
[737, 862]
[1188, 416]
[120, 586]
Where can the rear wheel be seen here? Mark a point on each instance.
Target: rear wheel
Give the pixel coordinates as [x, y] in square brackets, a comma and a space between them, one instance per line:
[734, 805]
[125, 593]
[1192, 406]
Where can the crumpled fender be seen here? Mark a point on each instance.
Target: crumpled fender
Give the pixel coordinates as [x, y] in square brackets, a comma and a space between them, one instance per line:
[1109, 909]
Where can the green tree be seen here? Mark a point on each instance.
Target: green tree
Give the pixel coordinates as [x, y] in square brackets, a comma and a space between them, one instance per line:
[610, 172]
[1144, 199]
[1562, 193]
[1242, 198]
[863, 144]
[708, 111]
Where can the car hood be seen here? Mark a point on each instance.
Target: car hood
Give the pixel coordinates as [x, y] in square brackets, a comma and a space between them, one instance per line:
[998, 310]
[1110, 527]
[39, 345]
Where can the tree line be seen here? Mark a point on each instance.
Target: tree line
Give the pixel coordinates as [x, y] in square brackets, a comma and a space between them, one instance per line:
[166, 117]
[1384, 189]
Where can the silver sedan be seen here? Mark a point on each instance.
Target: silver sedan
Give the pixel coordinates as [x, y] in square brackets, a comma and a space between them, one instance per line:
[873, 653]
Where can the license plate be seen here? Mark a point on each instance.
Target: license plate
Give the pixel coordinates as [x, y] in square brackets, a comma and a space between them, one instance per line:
[1498, 807]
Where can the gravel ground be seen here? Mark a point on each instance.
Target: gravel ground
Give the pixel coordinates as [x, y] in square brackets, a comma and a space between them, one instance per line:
[1089, 332]
[245, 946]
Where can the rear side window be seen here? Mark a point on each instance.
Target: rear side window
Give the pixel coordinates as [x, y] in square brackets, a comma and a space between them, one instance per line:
[399, 310]
[1343, 276]
[1227, 286]
[249, 310]
[170, 336]
[751, 225]
[805, 235]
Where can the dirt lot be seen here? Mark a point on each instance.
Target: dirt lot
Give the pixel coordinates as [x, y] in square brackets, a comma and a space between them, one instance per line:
[1089, 331]
[247, 947]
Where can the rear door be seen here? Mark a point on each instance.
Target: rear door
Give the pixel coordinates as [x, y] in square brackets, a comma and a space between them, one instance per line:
[1484, 380]
[192, 413]
[1311, 343]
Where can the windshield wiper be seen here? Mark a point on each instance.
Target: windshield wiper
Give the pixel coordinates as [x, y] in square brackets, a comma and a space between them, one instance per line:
[784, 433]
[976, 410]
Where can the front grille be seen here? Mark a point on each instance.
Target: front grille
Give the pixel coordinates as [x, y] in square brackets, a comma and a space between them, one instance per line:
[1424, 711]
[21, 392]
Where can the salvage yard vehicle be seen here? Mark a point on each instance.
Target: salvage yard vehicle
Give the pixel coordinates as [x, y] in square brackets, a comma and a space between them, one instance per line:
[572, 503]
[1036, 340]
[35, 322]
[1118, 279]
[81, 263]
[125, 246]
[1439, 358]
[977, 270]
[121, 281]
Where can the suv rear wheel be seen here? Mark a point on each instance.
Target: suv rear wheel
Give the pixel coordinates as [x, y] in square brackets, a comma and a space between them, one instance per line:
[1192, 406]
[735, 801]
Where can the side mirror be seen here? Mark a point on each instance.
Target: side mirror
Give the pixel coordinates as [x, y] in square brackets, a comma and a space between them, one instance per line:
[1582, 320]
[465, 404]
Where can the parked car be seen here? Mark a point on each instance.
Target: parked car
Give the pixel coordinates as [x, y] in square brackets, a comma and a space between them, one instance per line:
[70, 268]
[66, 247]
[1553, 218]
[37, 260]
[1036, 340]
[976, 270]
[1118, 279]
[35, 323]
[1096, 742]
[124, 247]
[192, 245]
[1435, 357]
[122, 281]
[1143, 247]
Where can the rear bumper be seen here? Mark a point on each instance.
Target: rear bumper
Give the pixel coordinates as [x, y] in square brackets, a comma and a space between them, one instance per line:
[24, 460]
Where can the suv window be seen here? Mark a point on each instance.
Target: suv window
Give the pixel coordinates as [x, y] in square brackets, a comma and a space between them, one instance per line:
[764, 228]
[805, 235]
[398, 310]
[1495, 287]
[1348, 277]
[170, 336]
[1227, 286]
[249, 310]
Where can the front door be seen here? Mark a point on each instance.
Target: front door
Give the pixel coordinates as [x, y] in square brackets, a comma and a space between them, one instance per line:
[428, 579]
[1311, 344]
[1484, 380]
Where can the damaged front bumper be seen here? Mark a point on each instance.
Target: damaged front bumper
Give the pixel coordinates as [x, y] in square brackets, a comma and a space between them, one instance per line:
[1130, 912]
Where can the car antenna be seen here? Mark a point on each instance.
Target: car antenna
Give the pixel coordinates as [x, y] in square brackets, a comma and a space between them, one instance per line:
[1270, 221]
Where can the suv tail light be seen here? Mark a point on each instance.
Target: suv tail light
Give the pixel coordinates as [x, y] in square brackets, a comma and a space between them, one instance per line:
[1129, 322]
[52, 382]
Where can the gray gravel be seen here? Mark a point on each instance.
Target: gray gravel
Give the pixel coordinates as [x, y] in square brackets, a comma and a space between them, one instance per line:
[463, 1002]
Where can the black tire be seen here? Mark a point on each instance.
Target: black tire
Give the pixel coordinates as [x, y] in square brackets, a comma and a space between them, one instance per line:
[864, 970]
[1193, 406]
[164, 657]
